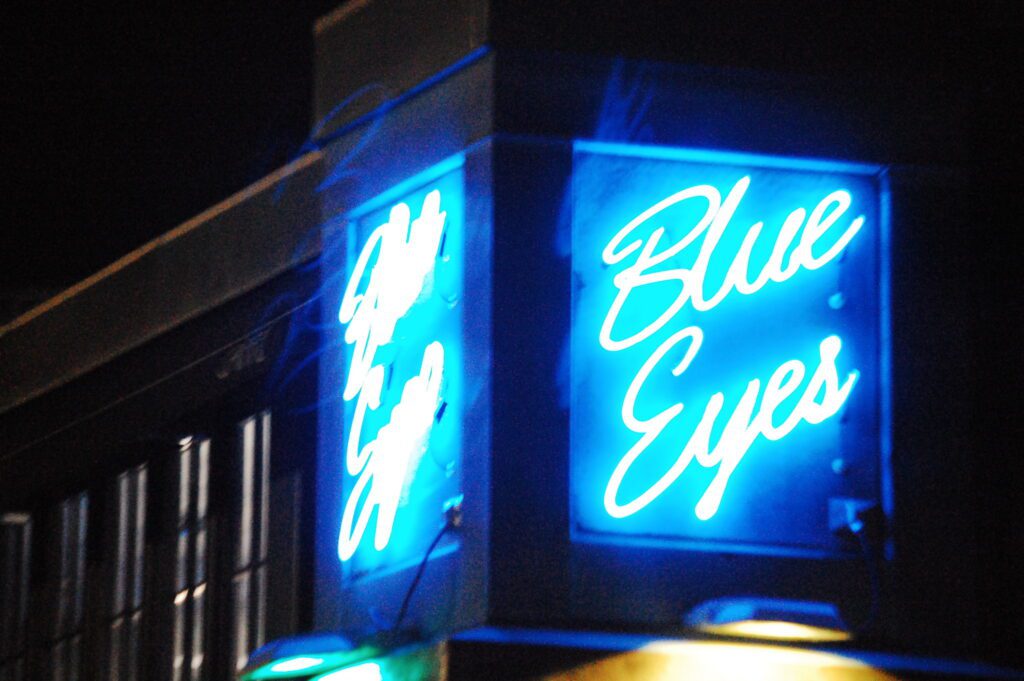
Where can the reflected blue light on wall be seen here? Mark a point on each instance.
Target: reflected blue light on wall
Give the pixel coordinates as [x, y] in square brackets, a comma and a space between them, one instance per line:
[725, 346]
[401, 320]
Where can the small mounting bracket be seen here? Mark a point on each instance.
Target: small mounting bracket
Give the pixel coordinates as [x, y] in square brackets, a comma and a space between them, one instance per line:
[847, 518]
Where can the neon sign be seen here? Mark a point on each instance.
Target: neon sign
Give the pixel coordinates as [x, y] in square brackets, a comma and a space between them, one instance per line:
[744, 425]
[404, 261]
[711, 226]
[710, 324]
[401, 327]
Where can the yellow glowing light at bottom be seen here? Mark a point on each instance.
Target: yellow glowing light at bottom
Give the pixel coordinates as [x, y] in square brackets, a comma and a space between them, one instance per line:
[776, 631]
[713, 661]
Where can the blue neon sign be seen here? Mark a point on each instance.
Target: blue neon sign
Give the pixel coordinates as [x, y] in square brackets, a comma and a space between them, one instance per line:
[726, 346]
[402, 388]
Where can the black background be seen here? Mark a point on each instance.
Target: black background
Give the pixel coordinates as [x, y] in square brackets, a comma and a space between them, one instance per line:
[121, 122]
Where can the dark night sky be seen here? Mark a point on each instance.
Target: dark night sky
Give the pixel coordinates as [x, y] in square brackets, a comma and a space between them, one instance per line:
[119, 124]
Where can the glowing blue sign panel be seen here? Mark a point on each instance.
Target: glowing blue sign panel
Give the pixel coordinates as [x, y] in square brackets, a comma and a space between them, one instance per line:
[402, 388]
[726, 346]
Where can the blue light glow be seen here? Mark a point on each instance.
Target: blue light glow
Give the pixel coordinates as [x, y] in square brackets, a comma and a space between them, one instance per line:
[401, 316]
[741, 429]
[717, 157]
[726, 309]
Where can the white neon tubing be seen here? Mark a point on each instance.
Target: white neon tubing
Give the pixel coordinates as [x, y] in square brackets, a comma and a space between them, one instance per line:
[741, 430]
[401, 275]
[405, 257]
[708, 232]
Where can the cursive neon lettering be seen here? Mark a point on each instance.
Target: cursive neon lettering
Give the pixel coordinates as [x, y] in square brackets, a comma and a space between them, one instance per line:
[405, 258]
[401, 275]
[383, 463]
[708, 232]
[757, 412]
[742, 428]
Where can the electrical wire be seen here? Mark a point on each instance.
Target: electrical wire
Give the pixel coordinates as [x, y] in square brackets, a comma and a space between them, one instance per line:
[449, 524]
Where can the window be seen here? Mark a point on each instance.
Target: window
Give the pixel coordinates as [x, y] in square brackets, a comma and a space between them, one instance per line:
[15, 543]
[123, 626]
[190, 579]
[66, 643]
[249, 577]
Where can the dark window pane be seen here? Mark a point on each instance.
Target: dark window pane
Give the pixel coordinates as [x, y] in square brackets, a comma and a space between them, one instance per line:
[192, 549]
[15, 542]
[66, 649]
[126, 577]
[252, 511]
[139, 539]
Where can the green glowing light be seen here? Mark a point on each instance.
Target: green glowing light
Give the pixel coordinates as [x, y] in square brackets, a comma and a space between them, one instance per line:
[299, 665]
[368, 671]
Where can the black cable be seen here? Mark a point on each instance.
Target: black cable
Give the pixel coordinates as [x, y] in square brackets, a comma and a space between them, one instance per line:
[449, 524]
